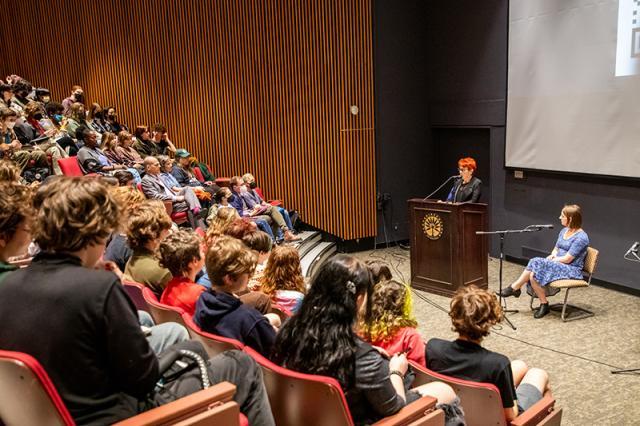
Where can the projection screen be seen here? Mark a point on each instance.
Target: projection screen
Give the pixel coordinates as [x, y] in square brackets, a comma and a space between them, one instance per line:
[573, 101]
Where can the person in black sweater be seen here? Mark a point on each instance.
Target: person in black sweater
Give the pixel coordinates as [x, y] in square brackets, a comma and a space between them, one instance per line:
[467, 188]
[81, 326]
[322, 339]
[473, 312]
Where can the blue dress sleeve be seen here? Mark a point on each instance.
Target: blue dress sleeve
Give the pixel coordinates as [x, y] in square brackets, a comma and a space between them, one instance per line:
[579, 245]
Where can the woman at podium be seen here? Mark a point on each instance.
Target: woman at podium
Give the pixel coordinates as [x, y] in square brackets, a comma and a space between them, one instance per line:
[466, 188]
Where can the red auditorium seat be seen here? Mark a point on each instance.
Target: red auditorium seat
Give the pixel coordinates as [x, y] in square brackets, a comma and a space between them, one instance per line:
[160, 312]
[30, 398]
[70, 167]
[198, 173]
[312, 400]
[482, 404]
[272, 202]
[213, 344]
[134, 290]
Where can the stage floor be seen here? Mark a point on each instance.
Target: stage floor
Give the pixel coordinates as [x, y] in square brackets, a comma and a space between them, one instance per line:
[579, 355]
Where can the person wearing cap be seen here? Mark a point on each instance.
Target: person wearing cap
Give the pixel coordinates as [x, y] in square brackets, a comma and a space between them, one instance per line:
[184, 174]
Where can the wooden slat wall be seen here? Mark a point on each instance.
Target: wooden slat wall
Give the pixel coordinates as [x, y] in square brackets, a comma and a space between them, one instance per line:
[262, 86]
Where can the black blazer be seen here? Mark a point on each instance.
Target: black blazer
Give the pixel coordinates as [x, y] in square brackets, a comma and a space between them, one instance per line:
[466, 193]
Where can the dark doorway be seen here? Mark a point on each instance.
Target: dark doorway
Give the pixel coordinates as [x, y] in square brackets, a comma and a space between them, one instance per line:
[453, 143]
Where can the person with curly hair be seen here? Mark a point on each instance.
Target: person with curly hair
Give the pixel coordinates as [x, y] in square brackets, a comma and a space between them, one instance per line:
[219, 223]
[219, 310]
[473, 312]
[392, 325]
[16, 217]
[147, 226]
[128, 198]
[182, 254]
[282, 279]
[321, 339]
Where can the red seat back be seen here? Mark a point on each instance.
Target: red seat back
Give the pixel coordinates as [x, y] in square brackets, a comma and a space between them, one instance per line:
[70, 166]
[134, 290]
[302, 399]
[214, 344]
[198, 173]
[27, 395]
[160, 312]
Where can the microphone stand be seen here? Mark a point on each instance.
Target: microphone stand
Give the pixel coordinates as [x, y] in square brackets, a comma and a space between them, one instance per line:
[502, 300]
[440, 187]
[631, 255]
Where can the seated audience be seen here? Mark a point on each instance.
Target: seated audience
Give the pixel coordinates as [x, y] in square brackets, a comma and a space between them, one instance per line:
[128, 199]
[125, 178]
[473, 312]
[11, 148]
[144, 144]
[147, 226]
[127, 154]
[76, 119]
[219, 223]
[16, 217]
[260, 244]
[160, 137]
[238, 188]
[252, 198]
[91, 158]
[77, 96]
[181, 253]
[282, 279]
[321, 339]
[95, 119]
[113, 121]
[166, 165]
[183, 173]
[6, 96]
[392, 325]
[93, 348]
[184, 201]
[219, 311]
[108, 145]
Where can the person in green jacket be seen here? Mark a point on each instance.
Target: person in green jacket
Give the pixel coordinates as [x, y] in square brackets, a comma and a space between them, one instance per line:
[16, 215]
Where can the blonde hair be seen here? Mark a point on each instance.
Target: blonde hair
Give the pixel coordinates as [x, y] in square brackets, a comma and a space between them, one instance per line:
[15, 208]
[73, 213]
[109, 141]
[9, 171]
[146, 223]
[283, 271]
[128, 198]
[220, 222]
[391, 310]
[228, 256]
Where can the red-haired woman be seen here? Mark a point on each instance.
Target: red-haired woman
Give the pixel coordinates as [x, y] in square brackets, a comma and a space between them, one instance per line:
[466, 188]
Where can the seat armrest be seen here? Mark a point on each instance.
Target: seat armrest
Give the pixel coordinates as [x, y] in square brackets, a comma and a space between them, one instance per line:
[275, 202]
[410, 412]
[536, 413]
[184, 407]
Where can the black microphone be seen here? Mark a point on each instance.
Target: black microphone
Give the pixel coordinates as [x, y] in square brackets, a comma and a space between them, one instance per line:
[547, 226]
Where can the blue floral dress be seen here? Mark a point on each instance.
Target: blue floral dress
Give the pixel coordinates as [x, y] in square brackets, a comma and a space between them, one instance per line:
[546, 271]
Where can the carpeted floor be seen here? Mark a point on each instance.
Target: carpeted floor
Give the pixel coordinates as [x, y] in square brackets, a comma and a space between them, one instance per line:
[579, 355]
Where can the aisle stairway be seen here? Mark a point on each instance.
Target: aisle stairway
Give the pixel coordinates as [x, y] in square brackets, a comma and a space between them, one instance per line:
[313, 251]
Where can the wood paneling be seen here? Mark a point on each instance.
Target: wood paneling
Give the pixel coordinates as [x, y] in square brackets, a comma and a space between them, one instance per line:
[260, 86]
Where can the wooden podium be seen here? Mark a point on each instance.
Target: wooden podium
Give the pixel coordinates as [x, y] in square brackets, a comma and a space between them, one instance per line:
[446, 253]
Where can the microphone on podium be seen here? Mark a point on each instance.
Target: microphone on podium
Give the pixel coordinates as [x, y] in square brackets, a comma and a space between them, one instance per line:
[545, 226]
[440, 187]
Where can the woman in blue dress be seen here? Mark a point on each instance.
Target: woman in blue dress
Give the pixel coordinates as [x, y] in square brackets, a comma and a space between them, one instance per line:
[565, 261]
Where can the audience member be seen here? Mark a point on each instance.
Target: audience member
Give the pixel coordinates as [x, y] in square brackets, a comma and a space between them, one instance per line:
[218, 310]
[113, 122]
[184, 201]
[91, 158]
[147, 226]
[11, 148]
[392, 325]
[128, 156]
[182, 254]
[125, 178]
[95, 119]
[128, 199]
[76, 119]
[282, 279]
[473, 312]
[183, 173]
[238, 188]
[161, 138]
[144, 144]
[321, 339]
[16, 217]
[77, 96]
[93, 348]
[260, 244]
[252, 198]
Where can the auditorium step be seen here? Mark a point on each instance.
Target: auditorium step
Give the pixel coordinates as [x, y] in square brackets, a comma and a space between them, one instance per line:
[316, 256]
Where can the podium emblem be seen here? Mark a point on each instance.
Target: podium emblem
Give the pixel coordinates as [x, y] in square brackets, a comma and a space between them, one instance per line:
[432, 226]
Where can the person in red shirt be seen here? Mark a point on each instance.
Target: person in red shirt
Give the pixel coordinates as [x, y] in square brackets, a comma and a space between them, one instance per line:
[182, 253]
[392, 326]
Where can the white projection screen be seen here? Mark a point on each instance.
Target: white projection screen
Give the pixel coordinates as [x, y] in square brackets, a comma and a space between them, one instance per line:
[573, 102]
